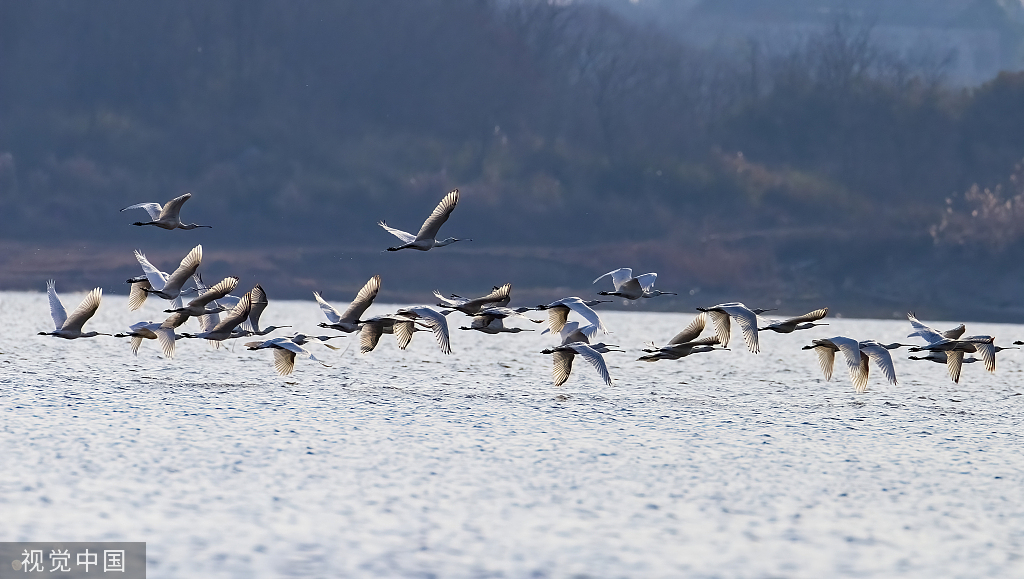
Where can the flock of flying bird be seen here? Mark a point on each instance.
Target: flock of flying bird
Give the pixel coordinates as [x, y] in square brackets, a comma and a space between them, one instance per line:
[241, 316]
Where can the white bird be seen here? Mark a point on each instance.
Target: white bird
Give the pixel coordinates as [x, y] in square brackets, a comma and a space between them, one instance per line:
[285, 351]
[430, 318]
[232, 320]
[70, 327]
[558, 315]
[954, 346]
[165, 333]
[372, 329]
[143, 331]
[349, 320]
[804, 322]
[425, 239]
[563, 356]
[166, 216]
[745, 318]
[857, 355]
[152, 278]
[169, 286]
[199, 306]
[499, 297]
[630, 287]
[571, 332]
[684, 343]
[489, 321]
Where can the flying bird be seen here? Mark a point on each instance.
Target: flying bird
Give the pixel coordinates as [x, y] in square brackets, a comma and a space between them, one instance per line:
[558, 314]
[630, 287]
[348, 321]
[499, 297]
[563, 356]
[285, 351]
[232, 320]
[151, 279]
[857, 355]
[428, 317]
[425, 239]
[745, 318]
[166, 216]
[804, 322]
[70, 327]
[169, 287]
[684, 343]
[489, 321]
[251, 326]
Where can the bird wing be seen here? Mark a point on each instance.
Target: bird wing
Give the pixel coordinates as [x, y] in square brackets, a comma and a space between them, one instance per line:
[437, 323]
[499, 295]
[136, 342]
[985, 345]
[404, 331]
[284, 361]
[826, 360]
[954, 362]
[362, 300]
[557, 317]
[333, 315]
[619, 276]
[588, 314]
[452, 302]
[84, 311]
[561, 366]
[137, 295]
[929, 334]
[438, 217]
[955, 332]
[808, 317]
[188, 266]
[157, 279]
[259, 303]
[595, 358]
[720, 320]
[646, 281]
[369, 335]
[209, 321]
[851, 351]
[172, 208]
[237, 315]
[165, 335]
[860, 376]
[56, 308]
[747, 321]
[223, 288]
[692, 331]
[881, 357]
[152, 208]
[405, 237]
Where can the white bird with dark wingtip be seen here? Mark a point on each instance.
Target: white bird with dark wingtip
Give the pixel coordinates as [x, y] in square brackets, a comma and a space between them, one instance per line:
[563, 356]
[804, 322]
[499, 297]
[684, 343]
[745, 317]
[630, 287]
[165, 216]
[348, 321]
[70, 327]
[285, 351]
[426, 238]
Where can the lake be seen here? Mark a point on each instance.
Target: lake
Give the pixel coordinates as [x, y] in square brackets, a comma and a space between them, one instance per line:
[417, 464]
